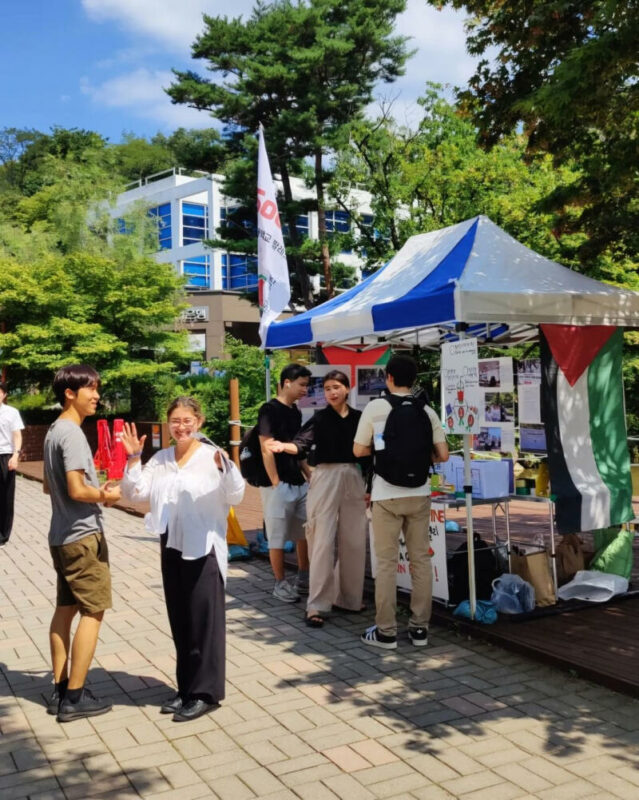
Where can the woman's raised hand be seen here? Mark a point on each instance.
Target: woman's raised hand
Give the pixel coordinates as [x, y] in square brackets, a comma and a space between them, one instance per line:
[129, 439]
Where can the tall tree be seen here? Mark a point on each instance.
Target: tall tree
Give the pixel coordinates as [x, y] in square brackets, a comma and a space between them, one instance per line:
[305, 70]
[436, 174]
[568, 71]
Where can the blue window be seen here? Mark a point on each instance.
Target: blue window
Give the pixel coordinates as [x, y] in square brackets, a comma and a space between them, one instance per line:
[228, 218]
[301, 223]
[123, 226]
[163, 216]
[338, 222]
[195, 222]
[239, 272]
[197, 272]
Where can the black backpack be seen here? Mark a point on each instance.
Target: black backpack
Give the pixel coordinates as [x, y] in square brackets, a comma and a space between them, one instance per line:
[251, 462]
[407, 455]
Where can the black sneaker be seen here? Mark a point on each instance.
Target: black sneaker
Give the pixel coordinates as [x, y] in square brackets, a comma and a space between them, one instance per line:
[87, 706]
[374, 638]
[53, 703]
[418, 636]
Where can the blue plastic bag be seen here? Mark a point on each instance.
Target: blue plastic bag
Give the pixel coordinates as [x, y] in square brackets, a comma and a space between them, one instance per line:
[512, 594]
[484, 611]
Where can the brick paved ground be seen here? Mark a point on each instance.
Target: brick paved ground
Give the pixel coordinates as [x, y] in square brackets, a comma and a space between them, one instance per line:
[309, 714]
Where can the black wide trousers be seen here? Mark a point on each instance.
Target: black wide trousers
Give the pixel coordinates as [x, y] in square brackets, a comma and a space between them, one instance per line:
[7, 496]
[194, 593]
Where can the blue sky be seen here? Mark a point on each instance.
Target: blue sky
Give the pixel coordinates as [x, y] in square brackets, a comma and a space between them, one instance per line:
[102, 64]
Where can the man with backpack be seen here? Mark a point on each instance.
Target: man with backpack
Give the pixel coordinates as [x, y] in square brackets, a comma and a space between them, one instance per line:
[406, 438]
[283, 490]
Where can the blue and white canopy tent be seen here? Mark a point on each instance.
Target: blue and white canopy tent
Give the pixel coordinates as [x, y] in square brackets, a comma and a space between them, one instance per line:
[470, 279]
[473, 273]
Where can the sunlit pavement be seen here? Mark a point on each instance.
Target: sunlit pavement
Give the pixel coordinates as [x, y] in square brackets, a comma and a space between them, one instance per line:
[309, 714]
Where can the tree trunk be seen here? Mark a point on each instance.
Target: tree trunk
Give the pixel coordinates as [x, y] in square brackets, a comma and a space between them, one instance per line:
[321, 224]
[306, 290]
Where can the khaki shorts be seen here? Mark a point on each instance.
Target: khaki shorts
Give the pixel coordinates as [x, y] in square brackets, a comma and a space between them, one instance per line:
[83, 574]
[284, 509]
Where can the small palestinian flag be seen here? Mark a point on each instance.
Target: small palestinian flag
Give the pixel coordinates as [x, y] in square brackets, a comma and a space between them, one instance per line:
[583, 411]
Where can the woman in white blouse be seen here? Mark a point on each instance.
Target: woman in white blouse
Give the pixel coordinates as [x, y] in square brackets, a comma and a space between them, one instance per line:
[190, 488]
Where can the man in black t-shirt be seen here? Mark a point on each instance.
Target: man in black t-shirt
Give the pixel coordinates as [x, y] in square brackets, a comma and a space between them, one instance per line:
[284, 499]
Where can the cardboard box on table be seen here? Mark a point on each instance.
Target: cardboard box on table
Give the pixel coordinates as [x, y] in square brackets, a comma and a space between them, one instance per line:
[488, 478]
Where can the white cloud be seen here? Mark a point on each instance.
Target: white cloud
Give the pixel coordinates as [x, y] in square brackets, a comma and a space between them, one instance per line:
[440, 41]
[174, 24]
[142, 93]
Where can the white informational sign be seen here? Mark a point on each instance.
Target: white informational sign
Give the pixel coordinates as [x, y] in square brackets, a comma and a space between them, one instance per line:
[315, 395]
[529, 403]
[532, 439]
[437, 537]
[461, 400]
[529, 372]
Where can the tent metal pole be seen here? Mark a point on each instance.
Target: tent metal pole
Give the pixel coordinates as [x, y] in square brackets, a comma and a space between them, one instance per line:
[470, 538]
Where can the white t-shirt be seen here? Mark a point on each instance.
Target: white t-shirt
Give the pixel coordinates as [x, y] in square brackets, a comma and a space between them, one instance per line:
[10, 421]
[371, 425]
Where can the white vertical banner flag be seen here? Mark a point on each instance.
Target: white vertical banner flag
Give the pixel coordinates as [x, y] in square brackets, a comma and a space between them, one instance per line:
[274, 286]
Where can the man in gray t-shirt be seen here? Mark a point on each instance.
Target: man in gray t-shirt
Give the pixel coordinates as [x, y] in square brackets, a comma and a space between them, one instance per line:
[66, 449]
[77, 544]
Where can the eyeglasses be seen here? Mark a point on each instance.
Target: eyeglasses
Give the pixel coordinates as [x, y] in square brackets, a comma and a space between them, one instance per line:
[183, 423]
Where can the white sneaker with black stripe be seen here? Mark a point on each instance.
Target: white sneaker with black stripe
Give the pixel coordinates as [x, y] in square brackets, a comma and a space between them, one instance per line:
[418, 636]
[374, 638]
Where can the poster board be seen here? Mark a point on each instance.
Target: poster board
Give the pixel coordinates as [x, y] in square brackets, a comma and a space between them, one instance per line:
[370, 382]
[532, 436]
[497, 406]
[437, 538]
[460, 387]
[315, 399]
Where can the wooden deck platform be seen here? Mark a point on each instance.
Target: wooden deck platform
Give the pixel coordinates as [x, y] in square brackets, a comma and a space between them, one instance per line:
[598, 643]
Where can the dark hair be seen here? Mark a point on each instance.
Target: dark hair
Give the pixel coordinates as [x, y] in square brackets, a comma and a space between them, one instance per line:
[3, 387]
[74, 377]
[293, 372]
[337, 375]
[403, 370]
[185, 402]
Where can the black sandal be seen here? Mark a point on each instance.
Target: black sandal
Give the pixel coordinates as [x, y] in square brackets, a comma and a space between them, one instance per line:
[314, 621]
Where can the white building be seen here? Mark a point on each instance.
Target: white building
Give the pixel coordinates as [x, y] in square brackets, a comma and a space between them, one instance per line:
[189, 209]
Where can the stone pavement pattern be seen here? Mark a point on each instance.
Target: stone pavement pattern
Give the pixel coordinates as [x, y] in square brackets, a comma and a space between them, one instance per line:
[309, 714]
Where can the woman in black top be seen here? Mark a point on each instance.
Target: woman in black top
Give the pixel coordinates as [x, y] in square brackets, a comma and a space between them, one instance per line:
[336, 503]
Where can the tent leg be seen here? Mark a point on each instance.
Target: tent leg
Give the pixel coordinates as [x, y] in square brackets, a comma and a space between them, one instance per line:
[468, 490]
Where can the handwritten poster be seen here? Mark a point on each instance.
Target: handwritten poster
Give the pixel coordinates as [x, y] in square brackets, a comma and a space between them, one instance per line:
[461, 399]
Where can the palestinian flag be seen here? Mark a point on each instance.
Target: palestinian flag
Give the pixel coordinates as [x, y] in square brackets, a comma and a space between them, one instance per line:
[584, 417]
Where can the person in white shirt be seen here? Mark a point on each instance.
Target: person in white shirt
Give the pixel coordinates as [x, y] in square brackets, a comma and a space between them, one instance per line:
[11, 428]
[190, 487]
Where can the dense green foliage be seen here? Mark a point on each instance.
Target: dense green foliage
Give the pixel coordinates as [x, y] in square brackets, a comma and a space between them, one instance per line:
[568, 71]
[72, 289]
[436, 174]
